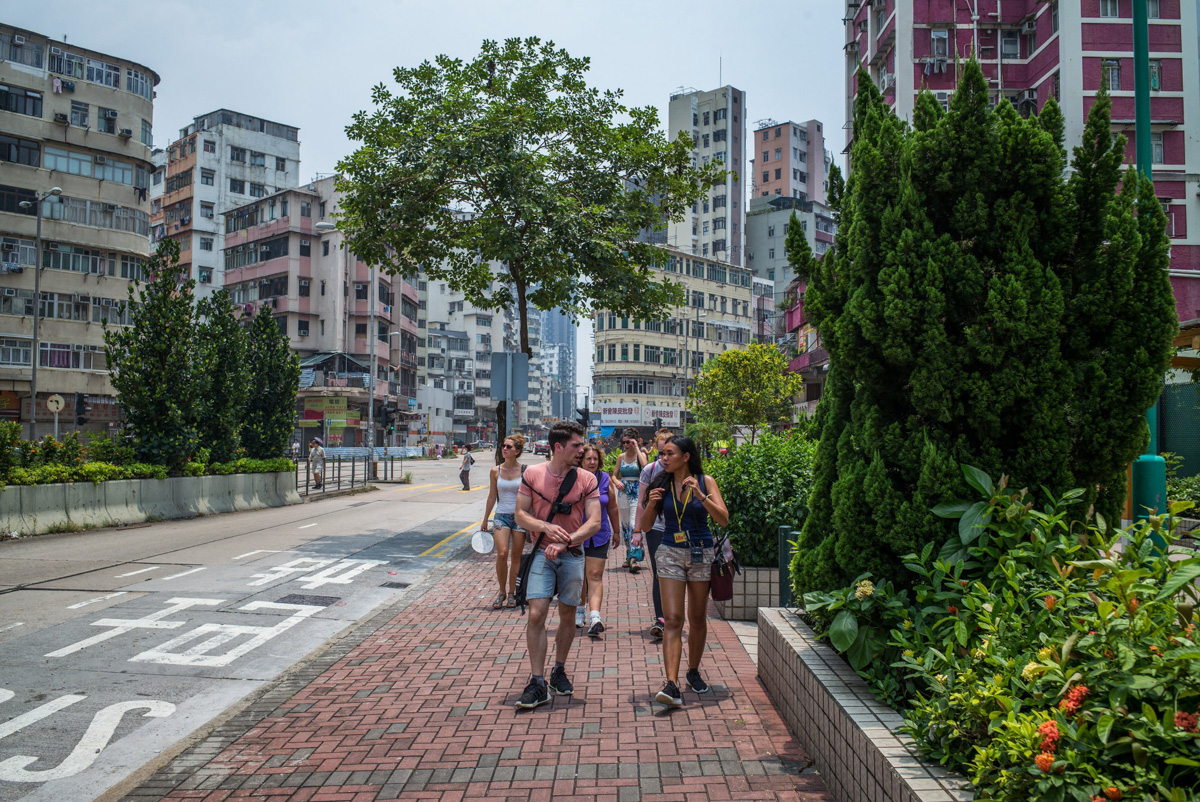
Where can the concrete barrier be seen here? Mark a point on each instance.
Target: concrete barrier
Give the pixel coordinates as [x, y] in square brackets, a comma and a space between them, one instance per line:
[37, 509]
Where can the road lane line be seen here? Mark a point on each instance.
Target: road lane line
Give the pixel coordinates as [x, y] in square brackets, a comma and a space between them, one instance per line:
[97, 599]
[257, 551]
[141, 571]
[447, 487]
[13, 625]
[183, 573]
[414, 487]
[434, 548]
[306, 526]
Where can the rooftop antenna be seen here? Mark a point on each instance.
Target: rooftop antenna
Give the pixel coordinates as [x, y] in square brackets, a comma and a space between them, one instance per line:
[720, 70]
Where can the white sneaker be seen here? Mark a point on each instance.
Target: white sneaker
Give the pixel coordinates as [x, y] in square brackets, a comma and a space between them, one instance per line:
[579, 617]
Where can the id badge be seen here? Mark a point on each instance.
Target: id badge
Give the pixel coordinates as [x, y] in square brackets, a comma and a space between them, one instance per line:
[697, 553]
[681, 537]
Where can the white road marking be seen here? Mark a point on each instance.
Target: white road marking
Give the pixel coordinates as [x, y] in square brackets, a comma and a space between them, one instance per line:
[119, 626]
[306, 526]
[93, 742]
[97, 599]
[38, 713]
[257, 551]
[330, 576]
[140, 571]
[184, 573]
[300, 565]
[220, 634]
[13, 625]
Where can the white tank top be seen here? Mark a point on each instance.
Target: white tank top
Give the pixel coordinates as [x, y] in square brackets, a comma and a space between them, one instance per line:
[506, 489]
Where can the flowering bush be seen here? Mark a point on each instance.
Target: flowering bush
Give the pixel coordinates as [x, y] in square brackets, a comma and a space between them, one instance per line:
[1045, 654]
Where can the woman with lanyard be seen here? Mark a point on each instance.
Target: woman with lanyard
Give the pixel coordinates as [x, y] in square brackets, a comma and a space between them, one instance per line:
[625, 479]
[687, 499]
[510, 538]
[595, 548]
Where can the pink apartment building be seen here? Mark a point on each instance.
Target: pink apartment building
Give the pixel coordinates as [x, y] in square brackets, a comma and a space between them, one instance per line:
[790, 159]
[1032, 49]
[282, 252]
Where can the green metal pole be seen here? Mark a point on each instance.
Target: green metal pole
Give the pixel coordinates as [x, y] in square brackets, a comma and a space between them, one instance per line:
[1149, 470]
[785, 566]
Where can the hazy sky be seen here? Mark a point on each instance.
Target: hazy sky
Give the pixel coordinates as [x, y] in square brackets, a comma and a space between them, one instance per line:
[312, 65]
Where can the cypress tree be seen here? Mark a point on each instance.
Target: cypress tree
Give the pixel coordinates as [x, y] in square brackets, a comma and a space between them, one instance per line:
[225, 373]
[975, 310]
[274, 381]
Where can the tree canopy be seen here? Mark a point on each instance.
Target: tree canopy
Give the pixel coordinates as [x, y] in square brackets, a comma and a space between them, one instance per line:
[746, 390]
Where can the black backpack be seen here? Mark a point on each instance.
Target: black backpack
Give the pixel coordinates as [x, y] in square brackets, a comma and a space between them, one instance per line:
[522, 584]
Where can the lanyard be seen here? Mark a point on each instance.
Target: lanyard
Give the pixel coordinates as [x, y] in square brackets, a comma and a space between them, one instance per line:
[687, 499]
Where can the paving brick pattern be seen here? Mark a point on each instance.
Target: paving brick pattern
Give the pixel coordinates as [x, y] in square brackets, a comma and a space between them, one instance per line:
[418, 704]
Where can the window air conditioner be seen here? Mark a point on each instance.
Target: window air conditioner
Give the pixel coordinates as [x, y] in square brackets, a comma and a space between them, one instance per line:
[56, 51]
[1028, 96]
[111, 114]
[101, 160]
[8, 246]
[60, 117]
[126, 133]
[304, 242]
[106, 302]
[77, 347]
[10, 291]
[1029, 27]
[18, 40]
[52, 246]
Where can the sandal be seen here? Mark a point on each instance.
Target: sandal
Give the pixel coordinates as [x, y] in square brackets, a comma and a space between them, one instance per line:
[512, 600]
[499, 602]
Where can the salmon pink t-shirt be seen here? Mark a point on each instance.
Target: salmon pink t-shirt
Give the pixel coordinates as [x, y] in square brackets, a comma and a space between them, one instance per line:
[547, 484]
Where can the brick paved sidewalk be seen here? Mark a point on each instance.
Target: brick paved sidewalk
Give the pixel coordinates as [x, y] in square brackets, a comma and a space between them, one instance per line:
[418, 704]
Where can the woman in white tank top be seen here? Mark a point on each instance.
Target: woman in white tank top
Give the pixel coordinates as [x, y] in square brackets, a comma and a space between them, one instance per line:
[510, 538]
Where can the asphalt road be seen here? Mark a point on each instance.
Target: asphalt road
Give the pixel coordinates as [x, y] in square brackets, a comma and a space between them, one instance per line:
[116, 644]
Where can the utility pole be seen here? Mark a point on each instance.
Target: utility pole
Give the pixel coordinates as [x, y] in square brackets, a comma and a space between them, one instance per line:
[37, 310]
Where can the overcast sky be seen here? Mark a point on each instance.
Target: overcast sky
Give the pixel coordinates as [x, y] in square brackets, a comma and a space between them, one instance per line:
[312, 65]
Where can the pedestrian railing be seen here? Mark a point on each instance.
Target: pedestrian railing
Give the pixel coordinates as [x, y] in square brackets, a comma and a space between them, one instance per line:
[346, 470]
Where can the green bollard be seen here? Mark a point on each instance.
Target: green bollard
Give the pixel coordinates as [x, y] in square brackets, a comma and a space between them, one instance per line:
[785, 566]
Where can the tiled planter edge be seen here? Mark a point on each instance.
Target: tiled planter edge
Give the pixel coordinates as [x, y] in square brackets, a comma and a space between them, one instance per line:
[752, 588]
[853, 738]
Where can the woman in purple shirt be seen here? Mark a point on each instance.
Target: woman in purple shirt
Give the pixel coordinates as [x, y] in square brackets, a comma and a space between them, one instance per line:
[595, 549]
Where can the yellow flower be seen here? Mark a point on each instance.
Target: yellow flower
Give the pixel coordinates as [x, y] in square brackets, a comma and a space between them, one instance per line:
[941, 678]
[979, 654]
[864, 589]
[908, 653]
[1030, 671]
[908, 624]
[1045, 653]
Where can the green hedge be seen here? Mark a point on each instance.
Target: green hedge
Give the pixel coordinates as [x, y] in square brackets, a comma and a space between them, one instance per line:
[765, 485]
[97, 472]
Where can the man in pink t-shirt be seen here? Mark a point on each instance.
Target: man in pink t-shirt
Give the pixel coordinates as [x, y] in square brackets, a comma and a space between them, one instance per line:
[557, 567]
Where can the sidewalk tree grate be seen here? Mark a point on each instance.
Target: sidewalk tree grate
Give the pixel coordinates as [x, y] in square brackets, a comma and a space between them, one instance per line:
[315, 601]
[396, 585]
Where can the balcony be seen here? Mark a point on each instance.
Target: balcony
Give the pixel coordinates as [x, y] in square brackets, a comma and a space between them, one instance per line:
[795, 318]
[807, 361]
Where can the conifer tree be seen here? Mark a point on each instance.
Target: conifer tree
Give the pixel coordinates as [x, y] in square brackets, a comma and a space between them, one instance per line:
[973, 310]
[225, 375]
[274, 381]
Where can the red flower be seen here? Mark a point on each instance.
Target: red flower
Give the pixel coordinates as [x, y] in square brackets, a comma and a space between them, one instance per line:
[1113, 793]
[1050, 602]
[1044, 761]
[1155, 649]
[1070, 705]
[1050, 735]
[1186, 721]
[1133, 608]
[953, 610]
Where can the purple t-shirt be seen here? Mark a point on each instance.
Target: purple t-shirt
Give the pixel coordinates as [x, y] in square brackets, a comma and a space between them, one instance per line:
[605, 533]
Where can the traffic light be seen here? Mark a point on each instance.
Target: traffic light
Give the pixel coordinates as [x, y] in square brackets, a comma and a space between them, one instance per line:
[82, 408]
[389, 422]
[657, 424]
[583, 417]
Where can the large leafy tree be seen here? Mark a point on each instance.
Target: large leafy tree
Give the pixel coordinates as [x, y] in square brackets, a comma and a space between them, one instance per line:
[274, 381]
[225, 375]
[979, 308]
[152, 363]
[746, 390]
[556, 179]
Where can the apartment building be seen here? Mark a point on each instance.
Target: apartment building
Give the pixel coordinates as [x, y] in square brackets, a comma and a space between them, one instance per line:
[559, 360]
[284, 252]
[790, 159]
[716, 123]
[766, 236]
[222, 160]
[1033, 49]
[644, 367]
[76, 130]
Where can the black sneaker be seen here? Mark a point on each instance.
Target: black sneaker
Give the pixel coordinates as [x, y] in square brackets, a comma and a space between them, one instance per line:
[656, 629]
[536, 693]
[669, 695]
[559, 683]
[696, 682]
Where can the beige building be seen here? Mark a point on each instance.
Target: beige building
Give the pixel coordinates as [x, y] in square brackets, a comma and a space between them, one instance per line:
[80, 121]
[643, 367]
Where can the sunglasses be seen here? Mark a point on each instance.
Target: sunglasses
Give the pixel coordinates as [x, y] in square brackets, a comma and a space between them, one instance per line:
[507, 445]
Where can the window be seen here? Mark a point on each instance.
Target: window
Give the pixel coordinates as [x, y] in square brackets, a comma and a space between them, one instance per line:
[1010, 44]
[207, 210]
[147, 134]
[1112, 72]
[625, 347]
[1110, 8]
[280, 164]
[206, 243]
[706, 118]
[19, 151]
[766, 176]
[1152, 10]
[210, 146]
[207, 177]
[720, 114]
[237, 154]
[1156, 73]
[324, 247]
[1054, 17]
[778, 173]
[139, 84]
[1156, 147]
[1056, 86]
[68, 64]
[778, 154]
[939, 43]
[766, 135]
[612, 353]
[321, 208]
[770, 253]
[305, 288]
[21, 101]
[15, 352]
[98, 72]
[360, 292]
[302, 328]
[237, 185]
[306, 210]
[257, 190]
[258, 159]
[766, 156]
[158, 177]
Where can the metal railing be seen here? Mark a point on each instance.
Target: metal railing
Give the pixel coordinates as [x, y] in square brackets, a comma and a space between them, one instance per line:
[348, 468]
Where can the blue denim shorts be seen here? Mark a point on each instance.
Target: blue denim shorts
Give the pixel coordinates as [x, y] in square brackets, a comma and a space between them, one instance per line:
[563, 576]
[506, 520]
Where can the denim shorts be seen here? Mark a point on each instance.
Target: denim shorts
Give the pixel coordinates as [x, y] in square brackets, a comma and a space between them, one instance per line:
[675, 562]
[506, 520]
[563, 576]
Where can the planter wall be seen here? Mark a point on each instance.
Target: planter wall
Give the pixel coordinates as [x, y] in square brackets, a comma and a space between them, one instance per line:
[752, 588]
[853, 738]
[35, 509]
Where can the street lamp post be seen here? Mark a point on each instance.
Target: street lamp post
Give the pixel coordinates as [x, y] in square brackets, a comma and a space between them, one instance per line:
[37, 306]
[687, 365]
